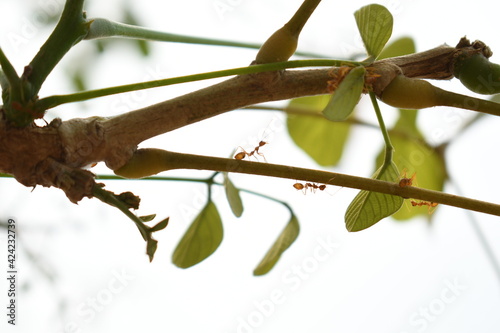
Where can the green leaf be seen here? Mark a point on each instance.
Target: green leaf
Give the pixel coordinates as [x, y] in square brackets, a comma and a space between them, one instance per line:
[346, 96]
[368, 208]
[400, 47]
[147, 218]
[201, 239]
[375, 26]
[413, 155]
[319, 138]
[160, 225]
[151, 247]
[233, 196]
[285, 239]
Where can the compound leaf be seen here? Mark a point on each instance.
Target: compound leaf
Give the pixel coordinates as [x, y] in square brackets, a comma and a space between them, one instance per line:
[375, 26]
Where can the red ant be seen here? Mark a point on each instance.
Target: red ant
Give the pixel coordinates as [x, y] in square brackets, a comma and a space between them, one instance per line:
[407, 181]
[311, 186]
[424, 203]
[241, 155]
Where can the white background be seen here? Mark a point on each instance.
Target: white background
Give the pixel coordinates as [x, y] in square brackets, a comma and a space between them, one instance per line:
[89, 272]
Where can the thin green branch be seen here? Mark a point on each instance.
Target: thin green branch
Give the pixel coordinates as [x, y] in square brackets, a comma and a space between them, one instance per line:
[173, 160]
[104, 28]
[9, 71]
[300, 18]
[389, 148]
[55, 100]
[170, 179]
[490, 253]
[71, 28]
[146, 232]
[192, 180]
[468, 124]
[112, 200]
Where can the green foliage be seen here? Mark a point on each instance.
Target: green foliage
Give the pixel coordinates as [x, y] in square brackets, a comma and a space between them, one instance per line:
[413, 155]
[368, 208]
[160, 225]
[285, 239]
[399, 47]
[233, 196]
[147, 218]
[123, 203]
[201, 239]
[375, 26]
[322, 140]
[319, 138]
[411, 152]
[346, 96]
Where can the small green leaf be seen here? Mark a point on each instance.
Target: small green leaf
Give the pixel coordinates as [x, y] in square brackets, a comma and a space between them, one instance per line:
[321, 139]
[201, 239]
[399, 47]
[147, 218]
[346, 96]
[368, 208]
[375, 26]
[160, 225]
[151, 247]
[285, 239]
[233, 196]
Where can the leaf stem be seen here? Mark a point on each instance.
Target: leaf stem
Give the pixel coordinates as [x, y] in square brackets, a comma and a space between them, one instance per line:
[110, 199]
[104, 28]
[389, 148]
[483, 240]
[55, 100]
[192, 180]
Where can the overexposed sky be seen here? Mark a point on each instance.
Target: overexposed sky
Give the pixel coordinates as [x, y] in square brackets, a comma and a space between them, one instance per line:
[90, 273]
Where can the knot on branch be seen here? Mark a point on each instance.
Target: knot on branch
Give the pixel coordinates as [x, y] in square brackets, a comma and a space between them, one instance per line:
[76, 183]
[83, 141]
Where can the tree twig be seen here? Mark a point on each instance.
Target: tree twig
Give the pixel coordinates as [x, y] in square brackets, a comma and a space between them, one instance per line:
[174, 160]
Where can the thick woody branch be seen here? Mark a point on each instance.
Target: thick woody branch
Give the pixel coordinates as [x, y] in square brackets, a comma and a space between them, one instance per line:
[122, 134]
[431, 64]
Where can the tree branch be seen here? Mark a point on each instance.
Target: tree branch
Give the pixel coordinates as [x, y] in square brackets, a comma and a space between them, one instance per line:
[120, 135]
[173, 160]
[75, 143]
